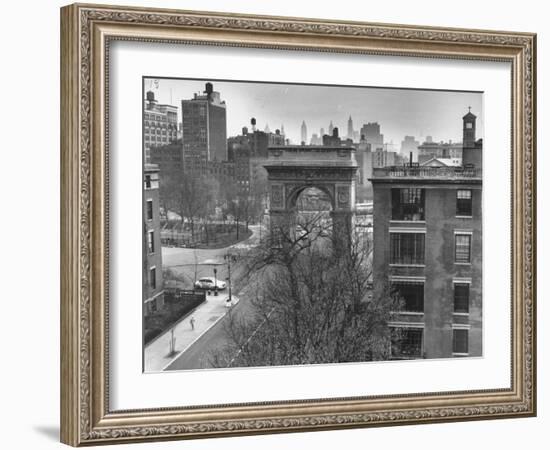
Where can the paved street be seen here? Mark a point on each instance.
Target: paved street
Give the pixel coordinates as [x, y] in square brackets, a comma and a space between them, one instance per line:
[157, 354]
[185, 261]
[197, 356]
[193, 345]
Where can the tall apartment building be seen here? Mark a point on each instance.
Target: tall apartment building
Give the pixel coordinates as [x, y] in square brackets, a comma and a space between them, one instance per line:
[428, 248]
[204, 129]
[160, 124]
[153, 288]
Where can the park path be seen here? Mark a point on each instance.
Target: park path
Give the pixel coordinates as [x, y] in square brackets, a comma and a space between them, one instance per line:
[157, 353]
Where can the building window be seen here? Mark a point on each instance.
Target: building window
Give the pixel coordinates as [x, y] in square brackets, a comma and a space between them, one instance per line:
[462, 248]
[149, 209]
[153, 277]
[464, 202]
[462, 298]
[412, 294]
[407, 204]
[469, 125]
[460, 341]
[151, 241]
[147, 181]
[407, 248]
[406, 343]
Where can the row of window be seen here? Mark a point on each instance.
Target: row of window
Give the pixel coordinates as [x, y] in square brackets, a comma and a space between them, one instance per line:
[407, 342]
[159, 131]
[409, 248]
[412, 295]
[409, 203]
[160, 117]
[158, 138]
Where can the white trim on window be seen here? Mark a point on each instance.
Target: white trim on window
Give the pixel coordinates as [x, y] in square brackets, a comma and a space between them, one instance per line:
[461, 326]
[400, 222]
[407, 230]
[407, 313]
[398, 278]
[406, 324]
[407, 265]
[457, 280]
[470, 232]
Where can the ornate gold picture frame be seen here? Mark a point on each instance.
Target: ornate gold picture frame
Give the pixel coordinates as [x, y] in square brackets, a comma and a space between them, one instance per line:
[87, 31]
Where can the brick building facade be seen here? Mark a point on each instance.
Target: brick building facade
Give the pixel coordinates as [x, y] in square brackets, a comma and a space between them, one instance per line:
[153, 287]
[428, 250]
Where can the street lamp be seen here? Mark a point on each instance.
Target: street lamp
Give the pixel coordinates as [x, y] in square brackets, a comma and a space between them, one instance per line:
[215, 282]
[228, 257]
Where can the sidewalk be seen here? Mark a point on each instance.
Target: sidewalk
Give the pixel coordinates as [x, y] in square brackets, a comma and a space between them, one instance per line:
[156, 354]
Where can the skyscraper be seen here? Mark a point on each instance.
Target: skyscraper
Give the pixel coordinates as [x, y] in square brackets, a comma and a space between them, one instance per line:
[372, 134]
[304, 133]
[350, 128]
[204, 129]
[330, 128]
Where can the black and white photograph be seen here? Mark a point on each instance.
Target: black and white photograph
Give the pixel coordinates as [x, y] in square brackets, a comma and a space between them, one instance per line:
[291, 224]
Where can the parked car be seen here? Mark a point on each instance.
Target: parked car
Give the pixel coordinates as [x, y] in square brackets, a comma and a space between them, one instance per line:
[209, 283]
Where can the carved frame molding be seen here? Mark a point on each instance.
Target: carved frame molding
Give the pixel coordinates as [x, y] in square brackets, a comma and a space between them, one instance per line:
[86, 31]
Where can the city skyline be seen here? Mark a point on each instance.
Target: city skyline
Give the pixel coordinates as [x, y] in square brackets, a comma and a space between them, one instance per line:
[399, 112]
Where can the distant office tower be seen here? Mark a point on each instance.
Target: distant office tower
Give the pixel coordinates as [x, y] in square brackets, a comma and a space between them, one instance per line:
[440, 150]
[372, 134]
[204, 129]
[330, 128]
[315, 140]
[160, 124]
[303, 130]
[410, 145]
[351, 132]
[322, 132]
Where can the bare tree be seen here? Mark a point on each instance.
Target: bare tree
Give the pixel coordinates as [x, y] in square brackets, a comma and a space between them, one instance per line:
[189, 195]
[311, 304]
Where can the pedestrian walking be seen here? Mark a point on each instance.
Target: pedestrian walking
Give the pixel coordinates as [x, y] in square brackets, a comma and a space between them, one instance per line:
[192, 322]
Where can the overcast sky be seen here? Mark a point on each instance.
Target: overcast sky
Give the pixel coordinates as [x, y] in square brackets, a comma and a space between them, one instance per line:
[399, 112]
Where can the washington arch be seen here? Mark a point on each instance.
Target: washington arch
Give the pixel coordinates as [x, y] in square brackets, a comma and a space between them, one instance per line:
[292, 169]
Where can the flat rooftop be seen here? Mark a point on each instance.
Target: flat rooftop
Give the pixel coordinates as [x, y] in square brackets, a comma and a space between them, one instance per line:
[426, 173]
[311, 155]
